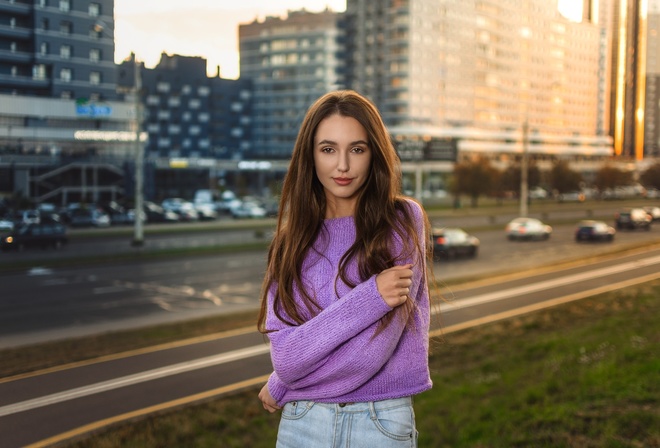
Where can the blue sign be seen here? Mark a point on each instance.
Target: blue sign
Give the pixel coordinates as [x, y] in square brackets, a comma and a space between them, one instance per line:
[93, 110]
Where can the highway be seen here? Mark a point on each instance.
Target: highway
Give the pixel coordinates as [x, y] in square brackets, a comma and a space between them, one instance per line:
[47, 407]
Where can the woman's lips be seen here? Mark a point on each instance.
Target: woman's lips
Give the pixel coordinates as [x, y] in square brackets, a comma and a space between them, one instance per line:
[343, 181]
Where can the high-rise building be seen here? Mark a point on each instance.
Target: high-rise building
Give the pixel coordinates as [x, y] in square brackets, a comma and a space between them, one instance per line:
[291, 61]
[629, 56]
[57, 48]
[65, 135]
[652, 109]
[479, 77]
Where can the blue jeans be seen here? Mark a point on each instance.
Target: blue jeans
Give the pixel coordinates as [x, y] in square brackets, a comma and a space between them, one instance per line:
[382, 424]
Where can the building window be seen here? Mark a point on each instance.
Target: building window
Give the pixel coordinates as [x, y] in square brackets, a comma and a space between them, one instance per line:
[95, 55]
[12, 22]
[65, 75]
[66, 94]
[43, 48]
[12, 47]
[39, 71]
[194, 103]
[95, 78]
[204, 91]
[174, 101]
[66, 27]
[153, 100]
[163, 87]
[14, 70]
[65, 5]
[42, 3]
[94, 9]
[65, 51]
[44, 24]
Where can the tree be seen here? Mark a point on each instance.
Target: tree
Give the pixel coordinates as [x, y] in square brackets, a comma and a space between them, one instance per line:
[511, 177]
[563, 179]
[474, 178]
[609, 177]
[651, 177]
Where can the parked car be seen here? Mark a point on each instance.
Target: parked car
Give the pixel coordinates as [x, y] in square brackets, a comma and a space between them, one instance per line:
[43, 235]
[591, 230]
[89, 217]
[654, 212]
[185, 209]
[248, 209]
[118, 214]
[155, 213]
[205, 211]
[527, 229]
[632, 218]
[453, 242]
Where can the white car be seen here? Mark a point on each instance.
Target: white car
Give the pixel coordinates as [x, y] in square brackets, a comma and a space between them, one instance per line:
[248, 210]
[527, 229]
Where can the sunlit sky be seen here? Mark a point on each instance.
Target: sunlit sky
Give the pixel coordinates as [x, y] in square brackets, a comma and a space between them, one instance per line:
[207, 28]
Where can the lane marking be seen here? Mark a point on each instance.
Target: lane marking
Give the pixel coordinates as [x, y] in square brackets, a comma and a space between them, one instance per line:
[548, 284]
[130, 380]
[149, 410]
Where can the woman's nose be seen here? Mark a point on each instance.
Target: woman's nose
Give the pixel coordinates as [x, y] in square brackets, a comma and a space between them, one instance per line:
[342, 163]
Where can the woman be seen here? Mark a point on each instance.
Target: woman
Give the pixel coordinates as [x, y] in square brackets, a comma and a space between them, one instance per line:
[345, 300]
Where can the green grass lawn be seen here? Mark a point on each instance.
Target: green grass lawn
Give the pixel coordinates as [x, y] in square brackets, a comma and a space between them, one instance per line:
[585, 374]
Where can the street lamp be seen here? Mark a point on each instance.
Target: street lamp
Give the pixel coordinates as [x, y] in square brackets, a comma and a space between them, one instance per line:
[138, 231]
[524, 184]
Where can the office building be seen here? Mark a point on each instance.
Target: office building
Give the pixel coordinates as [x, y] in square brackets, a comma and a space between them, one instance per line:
[291, 61]
[652, 109]
[65, 136]
[628, 90]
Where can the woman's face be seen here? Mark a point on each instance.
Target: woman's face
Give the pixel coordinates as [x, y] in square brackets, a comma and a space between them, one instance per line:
[342, 159]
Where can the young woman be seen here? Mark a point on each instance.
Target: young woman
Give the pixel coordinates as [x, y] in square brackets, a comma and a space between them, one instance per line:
[345, 300]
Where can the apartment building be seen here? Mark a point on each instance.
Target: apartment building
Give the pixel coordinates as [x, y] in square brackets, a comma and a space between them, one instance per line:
[292, 61]
[494, 78]
[64, 132]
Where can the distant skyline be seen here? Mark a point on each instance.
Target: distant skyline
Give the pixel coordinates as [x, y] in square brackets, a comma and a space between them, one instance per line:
[208, 28]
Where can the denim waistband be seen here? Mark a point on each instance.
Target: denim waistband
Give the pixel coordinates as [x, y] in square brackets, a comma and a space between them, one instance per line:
[361, 406]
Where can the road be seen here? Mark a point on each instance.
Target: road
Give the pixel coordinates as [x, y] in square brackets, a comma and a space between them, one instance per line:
[44, 304]
[51, 406]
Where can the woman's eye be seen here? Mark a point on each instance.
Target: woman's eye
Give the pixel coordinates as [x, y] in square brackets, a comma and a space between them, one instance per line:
[326, 149]
[358, 150]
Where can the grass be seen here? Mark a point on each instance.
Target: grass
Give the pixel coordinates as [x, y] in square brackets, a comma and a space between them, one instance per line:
[584, 374]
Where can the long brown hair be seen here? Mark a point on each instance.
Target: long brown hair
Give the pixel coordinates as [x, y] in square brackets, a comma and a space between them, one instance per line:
[380, 210]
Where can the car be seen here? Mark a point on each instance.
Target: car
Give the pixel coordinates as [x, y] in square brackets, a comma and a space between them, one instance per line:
[653, 211]
[42, 234]
[453, 242]
[89, 217]
[592, 230]
[527, 229]
[248, 209]
[154, 213]
[632, 218]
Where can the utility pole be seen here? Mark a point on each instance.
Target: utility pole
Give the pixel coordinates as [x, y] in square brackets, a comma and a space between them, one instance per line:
[524, 186]
[138, 231]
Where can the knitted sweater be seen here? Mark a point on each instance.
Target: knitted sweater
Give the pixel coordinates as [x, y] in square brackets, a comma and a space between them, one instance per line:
[334, 356]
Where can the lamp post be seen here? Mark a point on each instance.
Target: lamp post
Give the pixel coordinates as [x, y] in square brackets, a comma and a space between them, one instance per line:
[524, 185]
[138, 231]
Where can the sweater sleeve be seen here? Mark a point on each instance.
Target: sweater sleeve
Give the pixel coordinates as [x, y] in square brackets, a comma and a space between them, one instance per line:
[338, 350]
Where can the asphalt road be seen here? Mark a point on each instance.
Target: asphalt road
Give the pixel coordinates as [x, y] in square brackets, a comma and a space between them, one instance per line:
[52, 406]
[44, 304]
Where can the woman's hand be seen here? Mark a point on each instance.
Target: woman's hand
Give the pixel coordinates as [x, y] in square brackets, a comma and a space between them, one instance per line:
[267, 401]
[394, 284]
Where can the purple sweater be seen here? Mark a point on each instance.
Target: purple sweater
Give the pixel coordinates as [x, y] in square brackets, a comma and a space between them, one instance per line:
[334, 357]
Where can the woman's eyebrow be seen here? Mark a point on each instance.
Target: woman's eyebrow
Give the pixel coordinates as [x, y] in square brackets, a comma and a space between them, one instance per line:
[330, 142]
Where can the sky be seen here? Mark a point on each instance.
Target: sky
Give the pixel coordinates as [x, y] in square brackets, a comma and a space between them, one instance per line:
[207, 28]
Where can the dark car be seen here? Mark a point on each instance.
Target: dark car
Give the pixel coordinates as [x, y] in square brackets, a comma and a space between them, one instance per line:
[42, 235]
[590, 230]
[453, 242]
[633, 218]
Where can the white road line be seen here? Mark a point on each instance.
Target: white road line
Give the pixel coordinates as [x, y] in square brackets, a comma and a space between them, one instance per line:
[263, 349]
[130, 380]
[566, 280]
